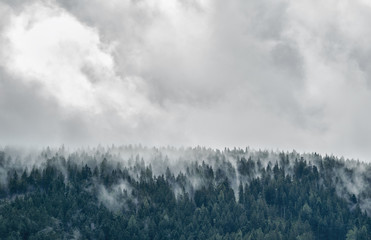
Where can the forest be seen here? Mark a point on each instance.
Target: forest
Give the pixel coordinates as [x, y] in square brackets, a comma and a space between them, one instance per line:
[136, 192]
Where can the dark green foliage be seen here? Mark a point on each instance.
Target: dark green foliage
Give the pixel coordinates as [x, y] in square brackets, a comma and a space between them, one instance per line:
[65, 200]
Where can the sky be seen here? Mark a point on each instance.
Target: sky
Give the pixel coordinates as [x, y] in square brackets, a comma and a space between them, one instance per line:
[269, 74]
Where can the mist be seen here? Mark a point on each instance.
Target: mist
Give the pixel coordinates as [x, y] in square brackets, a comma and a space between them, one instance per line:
[198, 168]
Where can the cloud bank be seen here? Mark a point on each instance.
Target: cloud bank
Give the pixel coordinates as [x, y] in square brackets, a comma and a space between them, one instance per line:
[276, 74]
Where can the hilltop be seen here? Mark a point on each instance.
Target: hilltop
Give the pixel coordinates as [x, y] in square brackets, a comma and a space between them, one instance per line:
[134, 192]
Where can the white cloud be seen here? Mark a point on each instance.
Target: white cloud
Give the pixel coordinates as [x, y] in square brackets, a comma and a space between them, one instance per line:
[49, 47]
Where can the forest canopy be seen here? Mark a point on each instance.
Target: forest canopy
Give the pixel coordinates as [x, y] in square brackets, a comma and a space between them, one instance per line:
[134, 192]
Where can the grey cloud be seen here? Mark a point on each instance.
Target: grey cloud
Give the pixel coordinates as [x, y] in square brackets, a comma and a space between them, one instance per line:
[265, 19]
[21, 104]
[362, 58]
[25, 112]
[191, 77]
[287, 57]
[217, 73]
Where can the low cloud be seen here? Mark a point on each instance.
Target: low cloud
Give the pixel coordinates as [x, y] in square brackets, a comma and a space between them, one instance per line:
[115, 197]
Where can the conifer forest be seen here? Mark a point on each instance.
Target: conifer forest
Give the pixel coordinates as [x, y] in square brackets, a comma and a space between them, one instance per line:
[134, 192]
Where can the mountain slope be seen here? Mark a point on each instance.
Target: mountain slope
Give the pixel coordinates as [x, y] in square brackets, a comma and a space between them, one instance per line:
[167, 193]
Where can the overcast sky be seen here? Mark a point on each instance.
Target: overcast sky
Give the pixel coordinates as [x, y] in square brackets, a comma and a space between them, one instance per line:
[276, 74]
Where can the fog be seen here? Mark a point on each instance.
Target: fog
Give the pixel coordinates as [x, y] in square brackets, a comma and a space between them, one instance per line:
[186, 170]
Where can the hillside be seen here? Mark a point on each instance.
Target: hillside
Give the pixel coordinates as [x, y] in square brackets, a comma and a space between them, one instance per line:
[134, 192]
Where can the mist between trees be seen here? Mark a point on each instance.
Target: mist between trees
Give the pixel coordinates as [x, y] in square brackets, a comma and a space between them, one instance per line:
[137, 192]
